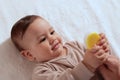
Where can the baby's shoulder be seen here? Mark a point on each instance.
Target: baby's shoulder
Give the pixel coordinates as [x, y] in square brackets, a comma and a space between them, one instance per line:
[75, 44]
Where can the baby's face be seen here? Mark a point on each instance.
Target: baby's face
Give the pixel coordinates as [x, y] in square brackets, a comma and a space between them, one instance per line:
[41, 41]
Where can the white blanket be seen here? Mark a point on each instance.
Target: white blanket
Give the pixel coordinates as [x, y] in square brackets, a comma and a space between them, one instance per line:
[73, 19]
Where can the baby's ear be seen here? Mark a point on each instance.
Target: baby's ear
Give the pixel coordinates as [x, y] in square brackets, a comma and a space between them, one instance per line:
[27, 54]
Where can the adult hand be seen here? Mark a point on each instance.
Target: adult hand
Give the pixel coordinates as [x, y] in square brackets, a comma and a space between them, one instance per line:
[111, 69]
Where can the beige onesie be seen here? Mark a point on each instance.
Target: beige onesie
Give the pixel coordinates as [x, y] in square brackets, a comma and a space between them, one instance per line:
[68, 67]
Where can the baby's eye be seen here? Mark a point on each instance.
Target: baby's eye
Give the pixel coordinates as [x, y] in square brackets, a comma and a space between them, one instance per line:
[43, 39]
[52, 32]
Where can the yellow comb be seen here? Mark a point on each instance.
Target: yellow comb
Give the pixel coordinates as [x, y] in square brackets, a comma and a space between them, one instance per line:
[92, 39]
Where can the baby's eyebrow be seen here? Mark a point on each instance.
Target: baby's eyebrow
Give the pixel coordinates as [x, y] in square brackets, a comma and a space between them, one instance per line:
[51, 28]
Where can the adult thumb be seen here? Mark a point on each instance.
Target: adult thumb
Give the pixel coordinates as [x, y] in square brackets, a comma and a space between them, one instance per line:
[104, 71]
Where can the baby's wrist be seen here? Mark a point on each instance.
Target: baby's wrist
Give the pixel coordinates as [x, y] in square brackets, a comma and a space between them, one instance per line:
[92, 69]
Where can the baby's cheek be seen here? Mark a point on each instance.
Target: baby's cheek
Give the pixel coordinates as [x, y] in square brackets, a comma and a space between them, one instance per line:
[60, 39]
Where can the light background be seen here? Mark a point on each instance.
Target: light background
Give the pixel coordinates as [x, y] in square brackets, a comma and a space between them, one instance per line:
[73, 19]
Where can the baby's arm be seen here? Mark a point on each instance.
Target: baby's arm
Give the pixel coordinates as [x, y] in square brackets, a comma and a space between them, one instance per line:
[98, 54]
[50, 72]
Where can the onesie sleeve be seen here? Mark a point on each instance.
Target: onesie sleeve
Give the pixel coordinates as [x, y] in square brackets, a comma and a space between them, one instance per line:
[43, 72]
[80, 72]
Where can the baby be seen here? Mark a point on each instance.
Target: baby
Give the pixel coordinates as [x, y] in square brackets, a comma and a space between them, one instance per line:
[37, 41]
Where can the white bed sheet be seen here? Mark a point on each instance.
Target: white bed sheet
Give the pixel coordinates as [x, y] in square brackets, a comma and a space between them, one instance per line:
[73, 19]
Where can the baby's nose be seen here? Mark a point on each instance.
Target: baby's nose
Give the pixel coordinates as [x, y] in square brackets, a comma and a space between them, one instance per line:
[52, 39]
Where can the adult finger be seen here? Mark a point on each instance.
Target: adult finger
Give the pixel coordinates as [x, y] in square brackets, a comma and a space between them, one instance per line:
[113, 63]
[105, 72]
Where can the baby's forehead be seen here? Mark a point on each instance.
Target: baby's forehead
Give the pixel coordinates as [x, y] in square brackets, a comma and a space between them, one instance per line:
[39, 28]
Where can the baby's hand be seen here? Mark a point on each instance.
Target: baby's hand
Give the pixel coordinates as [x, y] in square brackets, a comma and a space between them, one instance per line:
[97, 55]
[94, 57]
[103, 42]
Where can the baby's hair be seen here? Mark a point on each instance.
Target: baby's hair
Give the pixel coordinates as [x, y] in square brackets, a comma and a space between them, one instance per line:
[20, 27]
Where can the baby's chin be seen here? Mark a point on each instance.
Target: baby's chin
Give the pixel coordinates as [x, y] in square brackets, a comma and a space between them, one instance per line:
[58, 51]
[63, 51]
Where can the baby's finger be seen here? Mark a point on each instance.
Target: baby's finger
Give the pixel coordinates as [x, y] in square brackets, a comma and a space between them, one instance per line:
[102, 35]
[103, 57]
[105, 45]
[101, 42]
[107, 49]
[99, 52]
[95, 49]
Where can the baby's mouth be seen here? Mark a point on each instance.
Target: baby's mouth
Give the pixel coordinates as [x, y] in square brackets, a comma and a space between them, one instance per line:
[55, 45]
